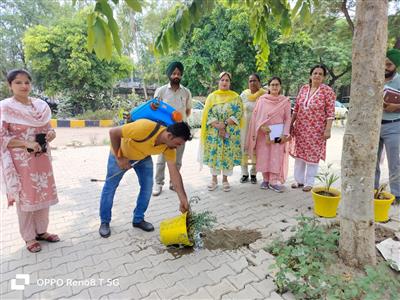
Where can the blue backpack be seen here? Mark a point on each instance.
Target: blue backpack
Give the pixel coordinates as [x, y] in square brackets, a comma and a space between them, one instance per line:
[158, 111]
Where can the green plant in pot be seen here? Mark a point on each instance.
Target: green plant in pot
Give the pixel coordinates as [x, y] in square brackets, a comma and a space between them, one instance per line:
[326, 198]
[186, 229]
[197, 223]
[382, 202]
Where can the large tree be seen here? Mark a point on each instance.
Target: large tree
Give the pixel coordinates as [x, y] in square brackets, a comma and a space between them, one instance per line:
[16, 16]
[62, 64]
[360, 142]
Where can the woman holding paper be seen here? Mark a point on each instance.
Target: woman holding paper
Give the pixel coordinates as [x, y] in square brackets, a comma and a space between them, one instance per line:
[268, 133]
[221, 125]
[311, 125]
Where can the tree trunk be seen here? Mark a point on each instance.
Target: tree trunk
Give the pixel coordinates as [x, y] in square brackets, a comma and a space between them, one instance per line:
[360, 141]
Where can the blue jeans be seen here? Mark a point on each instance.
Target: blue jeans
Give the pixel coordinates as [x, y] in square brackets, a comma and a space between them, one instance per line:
[390, 138]
[144, 172]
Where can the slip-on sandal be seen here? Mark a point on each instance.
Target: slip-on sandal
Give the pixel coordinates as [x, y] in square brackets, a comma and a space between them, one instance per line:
[33, 247]
[296, 185]
[226, 186]
[212, 186]
[307, 188]
[48, 237]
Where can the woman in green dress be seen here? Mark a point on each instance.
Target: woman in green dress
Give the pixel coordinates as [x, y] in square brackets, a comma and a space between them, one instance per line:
[220, 132]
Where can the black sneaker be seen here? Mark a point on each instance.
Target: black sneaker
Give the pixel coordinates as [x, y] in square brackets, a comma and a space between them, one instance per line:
[146, 226]
[104, 230]
[253, 179]
[245, 178]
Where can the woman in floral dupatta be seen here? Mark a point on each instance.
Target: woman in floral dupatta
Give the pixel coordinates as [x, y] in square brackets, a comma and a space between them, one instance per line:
[28, 176]
[249, 98]
[272, 111]
[220, 132]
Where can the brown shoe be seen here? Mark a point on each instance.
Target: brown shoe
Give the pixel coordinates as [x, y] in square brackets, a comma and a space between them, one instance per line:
[51, 238]
[33, 246]
[307, 188]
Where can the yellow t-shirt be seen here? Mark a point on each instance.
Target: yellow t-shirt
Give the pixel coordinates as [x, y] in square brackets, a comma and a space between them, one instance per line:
[139, 130]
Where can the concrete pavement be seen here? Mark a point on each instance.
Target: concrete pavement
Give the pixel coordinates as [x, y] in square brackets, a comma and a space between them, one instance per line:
[132, 264]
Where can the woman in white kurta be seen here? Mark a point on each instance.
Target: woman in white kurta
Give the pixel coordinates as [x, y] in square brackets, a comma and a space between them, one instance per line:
[249, 98]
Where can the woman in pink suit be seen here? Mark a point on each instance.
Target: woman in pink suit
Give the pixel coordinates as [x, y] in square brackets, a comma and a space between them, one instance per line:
[26, 161]
[268, 135]
[311, 127]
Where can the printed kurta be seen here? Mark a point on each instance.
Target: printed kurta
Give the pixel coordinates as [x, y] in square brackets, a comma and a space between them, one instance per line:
[271, 158]
[29, 177]
[312, 111]
[222, 153]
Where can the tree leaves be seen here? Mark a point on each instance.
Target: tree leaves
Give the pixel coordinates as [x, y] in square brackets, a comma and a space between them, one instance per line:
[262, 14]
[103, 35]
[169, 37]
[134, 4]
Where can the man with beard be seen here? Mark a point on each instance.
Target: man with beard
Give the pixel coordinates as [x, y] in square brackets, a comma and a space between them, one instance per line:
[179, 98]
[390, 128]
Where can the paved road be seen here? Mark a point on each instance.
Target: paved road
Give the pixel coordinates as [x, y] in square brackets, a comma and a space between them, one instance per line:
[132, 264]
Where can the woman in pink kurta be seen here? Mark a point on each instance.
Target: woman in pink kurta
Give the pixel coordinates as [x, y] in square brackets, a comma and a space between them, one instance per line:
[26, 164]
[271, 111]
[311, 127]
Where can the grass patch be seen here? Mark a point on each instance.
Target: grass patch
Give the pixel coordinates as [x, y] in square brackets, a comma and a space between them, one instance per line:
[308, 266]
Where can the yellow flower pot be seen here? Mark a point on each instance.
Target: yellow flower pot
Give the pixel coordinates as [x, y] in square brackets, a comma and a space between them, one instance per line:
[174, 231]
[382, 207]
[325, 206]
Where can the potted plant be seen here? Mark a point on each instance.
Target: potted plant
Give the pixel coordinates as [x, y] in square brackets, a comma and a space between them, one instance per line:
[186, 229]
[326, 198]
[382, 202]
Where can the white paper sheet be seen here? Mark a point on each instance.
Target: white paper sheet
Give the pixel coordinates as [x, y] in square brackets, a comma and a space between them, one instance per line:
[276, 131]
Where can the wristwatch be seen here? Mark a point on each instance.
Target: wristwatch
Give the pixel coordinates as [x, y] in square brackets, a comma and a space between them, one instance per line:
[226, 123]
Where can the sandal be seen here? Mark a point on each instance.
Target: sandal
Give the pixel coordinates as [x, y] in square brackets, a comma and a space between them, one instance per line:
[33, 246]
[212, 186]
[51, 238]
[307, 188]
[296, 185]
[226, 187]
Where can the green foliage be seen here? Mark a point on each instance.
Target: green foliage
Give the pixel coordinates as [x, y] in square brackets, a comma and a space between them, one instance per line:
[187, 15]
[327, 177]
[303, 268]
[16, 16]
[213, 46]
[103, 30]
[101, 114]
[198, 223]
[263, 13]
[62, 65]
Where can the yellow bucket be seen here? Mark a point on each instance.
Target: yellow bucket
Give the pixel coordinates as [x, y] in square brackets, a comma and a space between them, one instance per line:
[325, 206]
[382, 207]
[174, 231]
